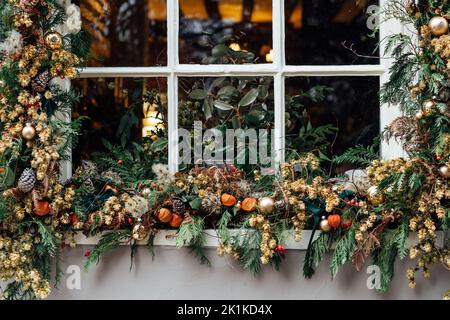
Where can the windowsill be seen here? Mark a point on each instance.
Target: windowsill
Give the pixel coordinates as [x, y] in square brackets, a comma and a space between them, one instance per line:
[167, 238]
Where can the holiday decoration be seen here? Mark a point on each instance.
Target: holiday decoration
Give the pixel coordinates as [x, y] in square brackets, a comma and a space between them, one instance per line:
[178, 206]
[228, 200]
[266, 205]
[438, 26]
[139, 232]
[53, 40]
[39, 83]
[324, 225]
[164, 215]
[176, 221]
[26, 181]
[249, 204]
[334, 220]
[136, 206]
[128, 194]
[444, 172]
[28, 132]
[41, 208]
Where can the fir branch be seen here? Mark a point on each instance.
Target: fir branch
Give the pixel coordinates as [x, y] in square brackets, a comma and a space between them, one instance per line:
[191, 234]
[109, 241]
[359, 155]
[315, 254]
[343, 251]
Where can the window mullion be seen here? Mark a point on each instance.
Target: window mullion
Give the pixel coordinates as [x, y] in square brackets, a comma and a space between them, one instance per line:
[172, 86]
[278, 30]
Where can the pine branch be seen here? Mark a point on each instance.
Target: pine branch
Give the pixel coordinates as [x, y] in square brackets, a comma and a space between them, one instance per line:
[109, 241]
[191, 234]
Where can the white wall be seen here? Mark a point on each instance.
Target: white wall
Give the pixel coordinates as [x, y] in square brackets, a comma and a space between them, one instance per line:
[175, 274]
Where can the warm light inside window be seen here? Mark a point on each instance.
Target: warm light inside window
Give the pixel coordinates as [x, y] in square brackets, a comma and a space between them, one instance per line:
[151, 122]
[269, 56]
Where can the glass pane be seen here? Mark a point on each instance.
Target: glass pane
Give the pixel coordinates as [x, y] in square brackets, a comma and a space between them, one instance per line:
[331, 32]
[349, 104]
[242, 26]
[126, 33]
[234, 109]
[120, 111]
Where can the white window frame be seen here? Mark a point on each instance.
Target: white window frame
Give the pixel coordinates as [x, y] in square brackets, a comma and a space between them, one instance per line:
[278, 70]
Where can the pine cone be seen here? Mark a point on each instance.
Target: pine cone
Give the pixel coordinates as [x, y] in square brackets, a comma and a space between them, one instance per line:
[39, 84]
[178, 206]
[26, 181]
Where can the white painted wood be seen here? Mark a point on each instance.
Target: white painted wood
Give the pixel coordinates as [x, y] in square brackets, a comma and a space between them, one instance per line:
[168, 238]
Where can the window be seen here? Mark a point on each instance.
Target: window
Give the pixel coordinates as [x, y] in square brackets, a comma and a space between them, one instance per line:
[297, 44]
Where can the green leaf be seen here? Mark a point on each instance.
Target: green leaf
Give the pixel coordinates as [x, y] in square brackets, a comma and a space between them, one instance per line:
[249, 98]
[227, 91]
[196, 204]
[197, 94]
[223, 105]
[159, 144]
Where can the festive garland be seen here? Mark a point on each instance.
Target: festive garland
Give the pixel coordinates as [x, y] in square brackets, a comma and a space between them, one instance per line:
[43, 45]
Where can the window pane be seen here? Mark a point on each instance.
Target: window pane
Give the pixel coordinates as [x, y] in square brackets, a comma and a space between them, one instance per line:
[330, 32]
[350, 104]
[126, 33]
[234, 107]
[120, 110]
[240, 25]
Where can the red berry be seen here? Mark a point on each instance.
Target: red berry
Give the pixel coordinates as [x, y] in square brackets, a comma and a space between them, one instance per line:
[232, 168]
[139, 185]
[353, 201]
[62, 77]
[120, 162]
[74, 218]
[130, 221]
[153, 185]
[280, 248]
[87, 253]
[438, 157]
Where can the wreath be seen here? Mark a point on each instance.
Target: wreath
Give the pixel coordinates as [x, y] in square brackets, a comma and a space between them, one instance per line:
[128, 195]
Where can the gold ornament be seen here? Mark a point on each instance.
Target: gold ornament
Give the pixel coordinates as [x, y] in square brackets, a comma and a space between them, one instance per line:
[444, 171]
[324, 225]
[54, 40]
[374, 196]
[28, 132]
[438, 26]
[139, 232]
[266, 205]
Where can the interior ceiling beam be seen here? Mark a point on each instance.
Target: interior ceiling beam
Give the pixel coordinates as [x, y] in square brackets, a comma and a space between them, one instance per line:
[212, 7]
[248, 10]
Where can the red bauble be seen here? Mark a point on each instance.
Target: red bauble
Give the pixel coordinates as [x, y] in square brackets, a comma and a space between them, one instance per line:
[346, 224]
[334, 220]
[130, 221]
[232, 168]
[87, 253]
[120, 162]
[42, 208]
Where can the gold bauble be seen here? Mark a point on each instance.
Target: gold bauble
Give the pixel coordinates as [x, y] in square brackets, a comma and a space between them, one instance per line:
[444, 171]
[374, 196]
[53, 40]
[324, 225]
[139, 232]
[28, 132]
[438, 26]
[266, 204]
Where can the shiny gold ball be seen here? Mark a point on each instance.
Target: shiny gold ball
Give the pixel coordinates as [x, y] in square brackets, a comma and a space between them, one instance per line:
[54, 40]
[28, 132]
[438, 26]
[374, 196]
[444, 171]
[324, 225]
[266, 205]
[139, 232]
